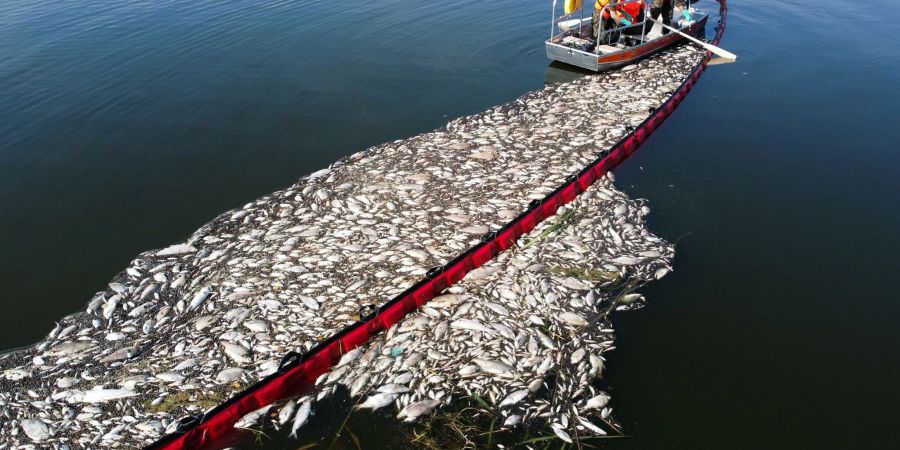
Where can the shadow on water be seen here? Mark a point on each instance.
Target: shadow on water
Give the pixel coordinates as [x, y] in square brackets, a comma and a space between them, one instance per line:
[558, 73]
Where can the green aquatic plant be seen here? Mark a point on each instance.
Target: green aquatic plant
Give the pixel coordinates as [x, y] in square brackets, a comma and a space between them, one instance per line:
[563, 221]
[259, 437]
[183, 399]
[469, 424]
[592, 275]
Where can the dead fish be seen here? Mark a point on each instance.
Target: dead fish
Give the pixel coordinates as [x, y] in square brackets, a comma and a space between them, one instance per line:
[199, 298]
[577, 355]
[358, 384]
[499, 309]
[630, 298]
[170, 377]
[597, 402]
[148, 291]
[466, 324]
[512, 420]
[573, 319]
[301, 418]
[309, 302]
[470, 370]
[514, 398]
[201, 323]
[70, 348]
[110, 306]
[238, 294]
[349, 357]
[103, 395]
[66, 331]
[414, 410]
[148, 326]
[560, 433]
[120, 354]
[448, 300]
[35, 429]
[393, 389]
[230, 374]
[495, 367]
[377, 401]
[343, 244]
[596, 366]
[590, 426]
[16, 374]
[252, 418]
[625, 260]
[257, 325]
[286, 412]
[236, 352]
[186, 364]
[177, 249]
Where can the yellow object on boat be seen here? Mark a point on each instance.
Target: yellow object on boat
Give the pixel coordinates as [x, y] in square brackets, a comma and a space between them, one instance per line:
[571, 6]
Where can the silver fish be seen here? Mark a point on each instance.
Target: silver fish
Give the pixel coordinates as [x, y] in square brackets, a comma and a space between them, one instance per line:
[35, 429]
[301, 418]
[252, 418]
[377, 401]
[199, 298]
[414, 410]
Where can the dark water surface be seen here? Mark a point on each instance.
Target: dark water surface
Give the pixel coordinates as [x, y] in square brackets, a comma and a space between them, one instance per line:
[125, 126]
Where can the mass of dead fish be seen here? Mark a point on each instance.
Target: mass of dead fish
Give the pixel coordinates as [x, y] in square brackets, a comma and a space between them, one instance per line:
[527, 331]
[189, 325]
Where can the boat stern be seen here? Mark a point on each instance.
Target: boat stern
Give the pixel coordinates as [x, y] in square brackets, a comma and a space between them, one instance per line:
[572, 56]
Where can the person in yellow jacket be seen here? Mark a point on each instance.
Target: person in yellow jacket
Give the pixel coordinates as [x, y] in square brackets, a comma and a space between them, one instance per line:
[621, 15]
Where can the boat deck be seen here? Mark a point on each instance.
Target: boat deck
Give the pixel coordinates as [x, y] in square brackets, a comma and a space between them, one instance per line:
[578, 47]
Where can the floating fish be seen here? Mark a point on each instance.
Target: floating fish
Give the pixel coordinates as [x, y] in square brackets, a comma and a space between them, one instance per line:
[252, 419]
[301, 418]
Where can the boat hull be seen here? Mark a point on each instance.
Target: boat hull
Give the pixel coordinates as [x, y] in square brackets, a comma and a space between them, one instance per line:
[609, 61]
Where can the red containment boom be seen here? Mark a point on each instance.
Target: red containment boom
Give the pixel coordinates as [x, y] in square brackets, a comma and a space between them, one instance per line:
[297, 373]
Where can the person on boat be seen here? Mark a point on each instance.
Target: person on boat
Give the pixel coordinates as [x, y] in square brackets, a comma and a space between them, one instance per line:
[662, 8]
[621, 15]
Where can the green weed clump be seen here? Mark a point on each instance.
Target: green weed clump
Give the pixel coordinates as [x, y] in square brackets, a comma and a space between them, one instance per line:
[180, 400]
[561, 222]
[592, 275]
[475, 424]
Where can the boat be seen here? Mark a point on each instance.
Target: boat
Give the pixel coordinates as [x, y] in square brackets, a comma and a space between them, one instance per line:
[572, 39]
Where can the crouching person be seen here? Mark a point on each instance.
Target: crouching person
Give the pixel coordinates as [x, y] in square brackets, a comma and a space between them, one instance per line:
[621, 15]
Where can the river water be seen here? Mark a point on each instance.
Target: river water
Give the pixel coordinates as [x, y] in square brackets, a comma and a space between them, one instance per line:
[124, 126]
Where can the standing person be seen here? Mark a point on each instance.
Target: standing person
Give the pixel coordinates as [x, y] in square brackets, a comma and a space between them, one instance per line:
[662, 8]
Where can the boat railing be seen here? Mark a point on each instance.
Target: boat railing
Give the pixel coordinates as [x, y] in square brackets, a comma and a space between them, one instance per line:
[580, 14]
[602, 34]
[554, 21]
[609, 7]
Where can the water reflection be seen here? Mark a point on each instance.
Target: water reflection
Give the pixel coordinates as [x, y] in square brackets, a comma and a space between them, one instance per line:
[558, 73]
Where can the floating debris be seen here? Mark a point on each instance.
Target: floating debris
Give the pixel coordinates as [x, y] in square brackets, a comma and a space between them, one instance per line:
[294, 267]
